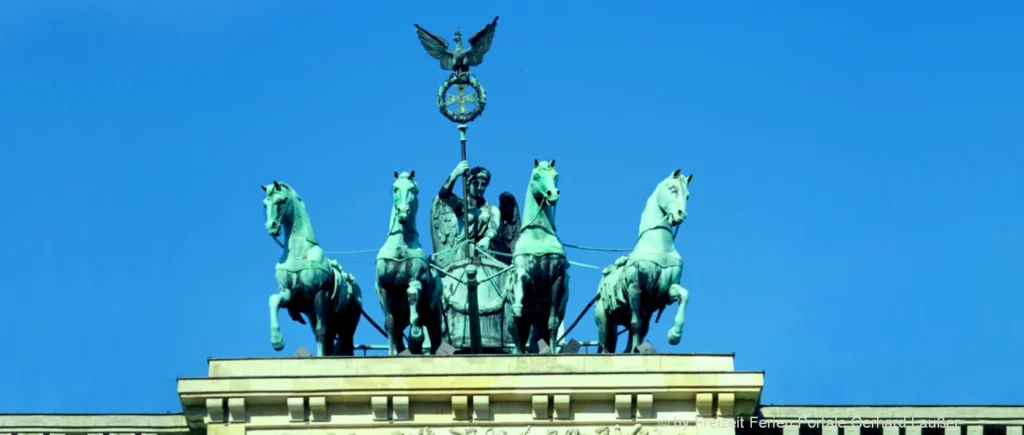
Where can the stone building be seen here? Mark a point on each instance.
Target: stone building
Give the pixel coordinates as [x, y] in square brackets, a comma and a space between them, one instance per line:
[565, 394]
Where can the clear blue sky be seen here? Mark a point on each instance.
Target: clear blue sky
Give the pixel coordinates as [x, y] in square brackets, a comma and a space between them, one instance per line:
[855, 225]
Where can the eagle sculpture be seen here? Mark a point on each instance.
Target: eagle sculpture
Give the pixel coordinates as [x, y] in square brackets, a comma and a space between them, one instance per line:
[460, 59]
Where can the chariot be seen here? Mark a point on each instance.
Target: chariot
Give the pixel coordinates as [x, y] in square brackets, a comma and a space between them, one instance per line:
[476, 283]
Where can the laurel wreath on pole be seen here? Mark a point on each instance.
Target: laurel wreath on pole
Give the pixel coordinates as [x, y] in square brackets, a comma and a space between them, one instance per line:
[461, 79]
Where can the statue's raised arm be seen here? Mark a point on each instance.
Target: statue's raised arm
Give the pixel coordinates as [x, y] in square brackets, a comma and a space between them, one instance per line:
[445, 213]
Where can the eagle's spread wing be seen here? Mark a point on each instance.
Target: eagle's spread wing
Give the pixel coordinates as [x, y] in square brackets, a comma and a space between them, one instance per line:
[481, 42]
[437, 47]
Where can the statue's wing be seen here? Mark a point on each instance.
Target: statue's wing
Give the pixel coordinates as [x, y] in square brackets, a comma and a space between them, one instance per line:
[437, 47]
[481, 42]
[508, 229]
[444, 227]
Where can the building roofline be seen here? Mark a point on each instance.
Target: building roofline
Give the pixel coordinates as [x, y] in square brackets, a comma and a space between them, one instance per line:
[424, 375]
[92, 414]
[94, 422]
[577, 355]
[943, 405]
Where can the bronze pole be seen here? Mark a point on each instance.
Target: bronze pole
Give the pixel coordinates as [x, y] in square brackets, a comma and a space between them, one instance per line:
[465, 192]
[475, 341]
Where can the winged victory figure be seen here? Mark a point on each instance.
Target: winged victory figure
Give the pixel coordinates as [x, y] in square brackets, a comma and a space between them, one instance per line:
[495, 227]
[460, 59]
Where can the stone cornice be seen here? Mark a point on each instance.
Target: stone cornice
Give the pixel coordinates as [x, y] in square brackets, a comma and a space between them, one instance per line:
[1008, 415]
[471, 365]
[93, 423]
[448, 391]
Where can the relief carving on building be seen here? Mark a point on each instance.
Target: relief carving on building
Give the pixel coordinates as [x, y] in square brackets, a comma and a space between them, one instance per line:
[637, 429]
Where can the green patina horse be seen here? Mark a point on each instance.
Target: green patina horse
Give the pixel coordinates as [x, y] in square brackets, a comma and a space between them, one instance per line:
[647, 280]
[541, 280]
[408, 290]
[307, 281]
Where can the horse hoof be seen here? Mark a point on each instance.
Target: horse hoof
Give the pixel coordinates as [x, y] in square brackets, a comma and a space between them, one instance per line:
[674, 335]
[517, 310]
[277, 340]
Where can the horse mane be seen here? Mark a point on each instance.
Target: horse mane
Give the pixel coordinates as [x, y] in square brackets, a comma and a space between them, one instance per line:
[295, 193]
[651, 204]
[301, 204]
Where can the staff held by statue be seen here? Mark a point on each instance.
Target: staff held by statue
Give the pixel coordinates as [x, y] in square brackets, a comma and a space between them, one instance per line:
[458, 61]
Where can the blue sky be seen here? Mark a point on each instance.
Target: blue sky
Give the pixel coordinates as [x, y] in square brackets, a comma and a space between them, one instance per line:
[855, 220]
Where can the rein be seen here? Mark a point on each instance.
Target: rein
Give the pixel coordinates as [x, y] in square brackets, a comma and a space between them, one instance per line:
[674, 231]
[401, 229]
[540, 209]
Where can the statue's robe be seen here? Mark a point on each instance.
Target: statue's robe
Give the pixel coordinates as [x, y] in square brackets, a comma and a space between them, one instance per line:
[484, 220]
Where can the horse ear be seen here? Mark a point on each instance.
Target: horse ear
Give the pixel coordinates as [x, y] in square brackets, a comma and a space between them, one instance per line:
[264, 187]
[396, 174]
[277, 185]
[552, 163]
[689, 179]
[412, 174]
[676, 173]
[536, 163]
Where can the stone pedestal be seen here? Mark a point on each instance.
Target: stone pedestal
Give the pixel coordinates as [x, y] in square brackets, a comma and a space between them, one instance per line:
[578, 394]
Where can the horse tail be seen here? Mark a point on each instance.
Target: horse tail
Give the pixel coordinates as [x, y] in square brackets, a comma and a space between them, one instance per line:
[337, 279]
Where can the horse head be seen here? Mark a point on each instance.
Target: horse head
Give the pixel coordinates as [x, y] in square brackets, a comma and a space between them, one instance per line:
[404, 198]
[672, 194]
[279, 203]
[544, 182]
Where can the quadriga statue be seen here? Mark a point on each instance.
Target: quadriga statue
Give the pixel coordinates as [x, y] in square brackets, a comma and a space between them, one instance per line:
[647, 280]
[307, 281]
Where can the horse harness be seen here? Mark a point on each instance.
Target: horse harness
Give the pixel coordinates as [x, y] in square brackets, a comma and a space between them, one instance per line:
[337, 276]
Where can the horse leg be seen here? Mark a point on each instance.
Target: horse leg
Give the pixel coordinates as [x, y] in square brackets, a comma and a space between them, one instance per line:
[401, 322]
[319, 322]
[645, 323]
[522, 280]
[523, 324]
[346, 330]
[512, 328]
[678, 294]
[389, 318]
[331, 339]
[346, 347]
[434, 312]
[415, 328]
[433, 327]
[276, 302]
[606, 336]
[634, 317]
[557, 311]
